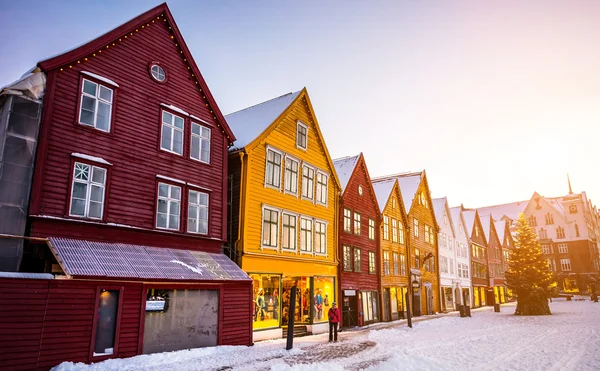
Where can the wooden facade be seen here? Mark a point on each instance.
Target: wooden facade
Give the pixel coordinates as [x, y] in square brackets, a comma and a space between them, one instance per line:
[359, 218]
[285, 222]
[495, 267]
[394, 254]
[479, 262]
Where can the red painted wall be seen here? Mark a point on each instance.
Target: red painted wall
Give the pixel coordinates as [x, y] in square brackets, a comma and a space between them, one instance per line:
[494, 253]
[46, 322]
[366, 206]
[132, 146]
[480, 240]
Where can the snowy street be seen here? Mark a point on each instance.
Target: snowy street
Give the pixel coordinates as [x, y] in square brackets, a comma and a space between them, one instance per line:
[567, 340]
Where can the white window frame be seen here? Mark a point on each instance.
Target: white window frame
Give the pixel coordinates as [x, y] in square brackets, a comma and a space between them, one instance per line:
[173, 129]
[324, 225]
[97, 100]
[400, 233]
[170, 202]
[395, 263]
[262, 227]
[283, 231]
[198, 207]
[89, 184]
[386, 228]
[386, 263]
[300, 124]
[347, 220]
[563, 248]
[356, 224]
[394, 230]
[275, 152]
[565, 265]
[319, 186]
[371, 229]
[202, 141]
[416, 227]
[347, 258]
[309, 238]
[287, 181]
[372, 262]
[312, 181]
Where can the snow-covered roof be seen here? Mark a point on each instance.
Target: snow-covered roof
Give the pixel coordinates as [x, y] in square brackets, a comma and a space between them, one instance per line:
[250, 122]
[455, 215]
[511, 210]
[486, 225]
[500, 229]
[32, 84]
[469, 216]
[439, 204]
[409, 184]
[31, 276]
[91, 158]
[344, 167]
[383, 189]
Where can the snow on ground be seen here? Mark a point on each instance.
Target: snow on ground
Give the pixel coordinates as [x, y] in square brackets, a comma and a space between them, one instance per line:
[567, 340]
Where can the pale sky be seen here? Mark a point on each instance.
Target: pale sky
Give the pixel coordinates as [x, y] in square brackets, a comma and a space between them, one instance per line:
[495, 99]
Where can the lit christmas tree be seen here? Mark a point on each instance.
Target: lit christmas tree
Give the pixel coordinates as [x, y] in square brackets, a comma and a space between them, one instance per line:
[528, 273]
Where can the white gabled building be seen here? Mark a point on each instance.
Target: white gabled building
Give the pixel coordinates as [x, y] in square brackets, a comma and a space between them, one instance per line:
[446, 256]
[463, 257]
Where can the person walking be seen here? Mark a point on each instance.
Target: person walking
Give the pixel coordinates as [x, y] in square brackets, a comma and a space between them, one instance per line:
[334, 319]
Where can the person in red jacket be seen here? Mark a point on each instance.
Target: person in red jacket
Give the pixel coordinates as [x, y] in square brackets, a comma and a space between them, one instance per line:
[334, 319]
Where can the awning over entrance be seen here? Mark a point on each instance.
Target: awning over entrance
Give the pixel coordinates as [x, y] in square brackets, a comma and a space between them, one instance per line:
[79, 258]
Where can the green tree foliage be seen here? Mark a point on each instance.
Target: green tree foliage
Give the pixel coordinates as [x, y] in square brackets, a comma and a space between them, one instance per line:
[528, 273]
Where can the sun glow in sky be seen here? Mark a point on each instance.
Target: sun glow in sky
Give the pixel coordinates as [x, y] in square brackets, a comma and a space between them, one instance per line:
[495, 99]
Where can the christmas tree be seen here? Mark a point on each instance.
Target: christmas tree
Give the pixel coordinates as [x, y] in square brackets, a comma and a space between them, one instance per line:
[528, 273]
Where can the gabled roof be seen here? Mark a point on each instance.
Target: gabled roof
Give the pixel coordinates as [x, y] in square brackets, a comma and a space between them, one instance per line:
[469, 216]
[455, 213]
[439, 205]
[409, 184]
[510, 210]
[250, 122]
[500, 230]
[160, 12]
[486, 225]
[344, 167]
[383, 190]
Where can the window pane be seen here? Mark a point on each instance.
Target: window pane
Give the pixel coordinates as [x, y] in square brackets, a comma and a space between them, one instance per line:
[165, 142]
[163, 206]
[95, 210]
[174, 221]
[80, 190]
[205, 155]
[196, 129]
[203, 227]
[204, 199]
[178, 142]
[89, 87]
[195, 151]
[176, 193]
[167, 117]
[192, 211]
[98, 175]
[107, 322]
[78, 207]
[192, 225]
[161, 220]
[193, 197]
[103, 119]
[174, 208]
[204, 213]
[205, 132]
[178, 122]
[97, 193]
[106, 94]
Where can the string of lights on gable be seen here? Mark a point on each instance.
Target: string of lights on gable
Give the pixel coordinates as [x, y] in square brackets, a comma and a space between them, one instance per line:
[172, 37]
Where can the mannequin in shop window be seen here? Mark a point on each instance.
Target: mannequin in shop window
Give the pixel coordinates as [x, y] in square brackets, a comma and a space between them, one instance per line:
[275, 302]
[318, 305]
[260, 305]
[305, 301]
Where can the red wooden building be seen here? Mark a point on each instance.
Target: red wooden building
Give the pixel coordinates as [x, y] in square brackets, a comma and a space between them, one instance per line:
[128, 206]
[479, 257]
[358, 241]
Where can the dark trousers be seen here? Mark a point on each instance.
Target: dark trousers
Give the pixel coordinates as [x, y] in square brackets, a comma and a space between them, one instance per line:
[333, 327]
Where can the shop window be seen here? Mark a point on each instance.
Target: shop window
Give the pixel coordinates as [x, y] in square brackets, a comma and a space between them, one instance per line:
[266, 300]
[324, 295]
[303, 300]
[107, 322]
[372, 269]
[369, 299]
[357, 260]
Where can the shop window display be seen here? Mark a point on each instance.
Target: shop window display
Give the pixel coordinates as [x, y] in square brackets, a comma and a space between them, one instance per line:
[301, 310]
[323, 297]
[266, 303]
[369, 301]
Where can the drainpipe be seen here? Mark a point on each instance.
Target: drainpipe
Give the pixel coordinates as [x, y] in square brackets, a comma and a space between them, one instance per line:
[241, 208]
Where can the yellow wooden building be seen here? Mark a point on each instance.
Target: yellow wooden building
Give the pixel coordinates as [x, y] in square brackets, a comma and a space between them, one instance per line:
[394, 258]
[284, 217]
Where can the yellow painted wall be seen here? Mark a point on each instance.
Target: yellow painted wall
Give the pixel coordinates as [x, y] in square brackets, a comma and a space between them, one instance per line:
[282, 137]
[388, 245]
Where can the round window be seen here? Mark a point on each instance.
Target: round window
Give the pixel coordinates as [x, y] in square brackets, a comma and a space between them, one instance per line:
[158, 73]
[360, 190]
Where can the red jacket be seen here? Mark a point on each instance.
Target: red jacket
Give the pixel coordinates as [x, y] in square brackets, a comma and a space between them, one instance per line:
[334, 315]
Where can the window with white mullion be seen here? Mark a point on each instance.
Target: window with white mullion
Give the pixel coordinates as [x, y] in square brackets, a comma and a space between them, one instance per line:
[394, 230]
[172, 133]
[200, 147]
[322, 181]
[169, 206]
[270, 228]
[301, 135]
[320, 237]
[87, 194]
[306, 228]
[273, 169]
[291, 175]
[198, 212]
[308, 180]
[288, 238]
[96, 105]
